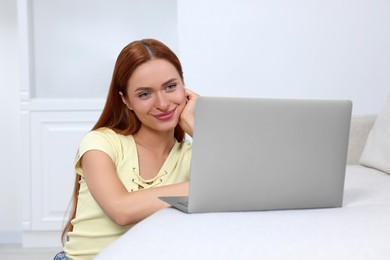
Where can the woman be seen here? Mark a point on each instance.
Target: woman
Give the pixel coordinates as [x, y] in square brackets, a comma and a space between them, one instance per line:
[135, 153]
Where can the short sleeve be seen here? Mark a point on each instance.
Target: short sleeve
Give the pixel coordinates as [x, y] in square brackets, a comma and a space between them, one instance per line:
[104, 140]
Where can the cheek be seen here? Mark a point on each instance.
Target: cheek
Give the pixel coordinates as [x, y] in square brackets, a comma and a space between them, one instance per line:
[181, 99]
[182, 95]
[136, 105]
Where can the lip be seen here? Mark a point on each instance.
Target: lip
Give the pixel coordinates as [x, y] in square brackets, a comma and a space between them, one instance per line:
[166, 115]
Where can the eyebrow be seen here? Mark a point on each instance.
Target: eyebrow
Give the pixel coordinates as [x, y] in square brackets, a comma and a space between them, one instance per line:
[169, 81]
[142, 89]
[149, 88]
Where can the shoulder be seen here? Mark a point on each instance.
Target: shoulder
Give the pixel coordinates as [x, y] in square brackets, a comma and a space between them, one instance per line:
[103, 139]
[186, 145]
[101, 133]
[98, 137]
[185, 150]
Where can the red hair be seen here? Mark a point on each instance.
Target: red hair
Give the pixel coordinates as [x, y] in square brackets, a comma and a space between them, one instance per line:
[115, 114]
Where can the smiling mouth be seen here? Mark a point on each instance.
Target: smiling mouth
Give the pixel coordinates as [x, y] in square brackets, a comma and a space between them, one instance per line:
[166, 115]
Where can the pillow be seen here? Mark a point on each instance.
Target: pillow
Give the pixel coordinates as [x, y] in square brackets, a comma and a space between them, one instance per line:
[376, 152]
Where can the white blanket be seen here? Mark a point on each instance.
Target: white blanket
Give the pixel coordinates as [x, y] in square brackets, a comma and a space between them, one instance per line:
[358, 230]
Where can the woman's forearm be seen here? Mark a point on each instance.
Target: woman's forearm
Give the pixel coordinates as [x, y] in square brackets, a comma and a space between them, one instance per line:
[138, 205]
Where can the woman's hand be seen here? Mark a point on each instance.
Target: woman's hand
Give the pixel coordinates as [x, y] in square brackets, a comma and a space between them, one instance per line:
[187, 116]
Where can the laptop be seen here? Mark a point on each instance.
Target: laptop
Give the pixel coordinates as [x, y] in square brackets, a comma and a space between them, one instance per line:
[266, 154]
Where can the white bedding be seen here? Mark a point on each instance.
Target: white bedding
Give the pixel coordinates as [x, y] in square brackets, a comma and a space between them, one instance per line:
[358, 230]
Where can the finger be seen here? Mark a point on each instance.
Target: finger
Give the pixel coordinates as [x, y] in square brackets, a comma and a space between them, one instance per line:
[190, 94]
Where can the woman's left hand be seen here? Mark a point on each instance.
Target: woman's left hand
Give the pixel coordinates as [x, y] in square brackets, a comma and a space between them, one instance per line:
[187, 116]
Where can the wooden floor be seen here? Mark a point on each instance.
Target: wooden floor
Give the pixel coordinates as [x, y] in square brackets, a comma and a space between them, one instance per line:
[16, 252]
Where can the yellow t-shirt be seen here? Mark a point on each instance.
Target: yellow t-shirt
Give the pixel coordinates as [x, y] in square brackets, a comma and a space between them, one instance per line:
[92, 229]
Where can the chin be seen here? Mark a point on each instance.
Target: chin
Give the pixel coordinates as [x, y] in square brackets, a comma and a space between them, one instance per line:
[169, 126]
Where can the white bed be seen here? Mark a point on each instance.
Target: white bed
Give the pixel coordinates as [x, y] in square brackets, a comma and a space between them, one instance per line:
[358, 230]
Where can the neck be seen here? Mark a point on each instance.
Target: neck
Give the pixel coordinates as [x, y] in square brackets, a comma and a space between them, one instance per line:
[157, 142]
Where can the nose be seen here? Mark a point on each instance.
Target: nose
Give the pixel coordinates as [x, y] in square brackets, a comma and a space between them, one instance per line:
[162, 102]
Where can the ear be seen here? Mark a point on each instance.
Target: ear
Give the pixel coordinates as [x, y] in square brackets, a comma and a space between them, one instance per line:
[125, 101]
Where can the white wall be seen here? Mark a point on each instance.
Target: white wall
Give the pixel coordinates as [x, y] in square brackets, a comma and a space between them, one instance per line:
[283, 48]
[10, 177]
[76, 43]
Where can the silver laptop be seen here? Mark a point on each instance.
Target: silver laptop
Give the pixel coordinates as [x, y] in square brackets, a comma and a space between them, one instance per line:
[267, 154]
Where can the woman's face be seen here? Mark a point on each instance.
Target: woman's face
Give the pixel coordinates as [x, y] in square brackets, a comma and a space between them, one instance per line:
[155, 92]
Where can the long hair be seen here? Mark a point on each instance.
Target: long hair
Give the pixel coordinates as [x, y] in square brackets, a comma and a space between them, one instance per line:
[115, 114]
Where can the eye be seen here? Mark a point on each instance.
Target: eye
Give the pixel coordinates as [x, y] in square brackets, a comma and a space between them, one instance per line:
[144, 94]
[171, 87]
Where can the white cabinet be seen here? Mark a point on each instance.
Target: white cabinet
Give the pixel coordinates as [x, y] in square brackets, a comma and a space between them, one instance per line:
[51, 142]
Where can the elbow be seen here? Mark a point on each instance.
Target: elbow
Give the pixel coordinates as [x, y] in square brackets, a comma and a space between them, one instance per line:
[122, 220]
[122, 216]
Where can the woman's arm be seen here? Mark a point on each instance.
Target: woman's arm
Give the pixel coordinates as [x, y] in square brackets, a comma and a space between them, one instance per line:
[187, 116]
[121, 206]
